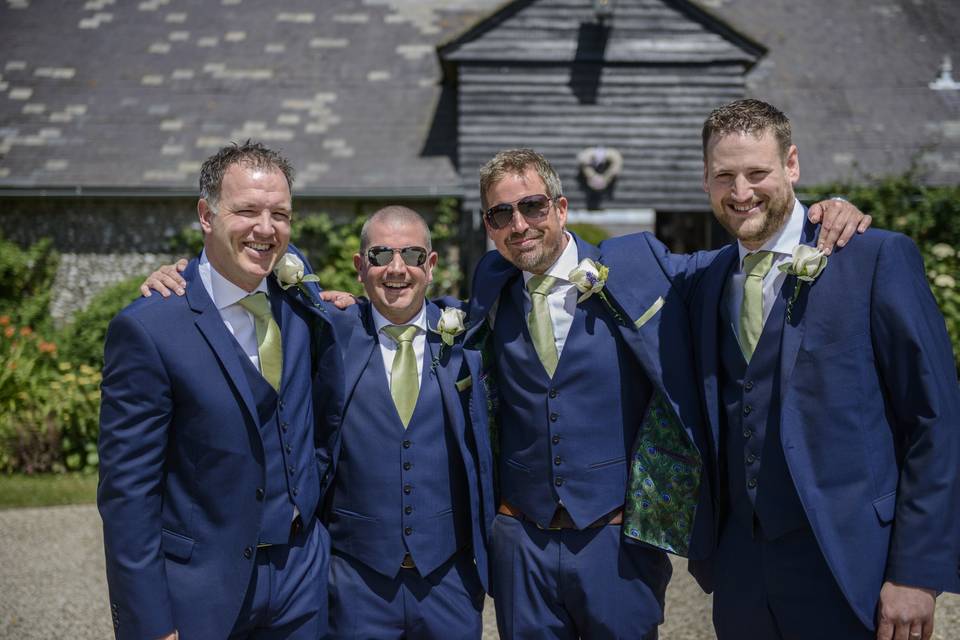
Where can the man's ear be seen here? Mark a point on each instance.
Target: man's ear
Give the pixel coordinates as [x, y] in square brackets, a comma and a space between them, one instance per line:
[358, 265]
[793, 164]
[205, 213]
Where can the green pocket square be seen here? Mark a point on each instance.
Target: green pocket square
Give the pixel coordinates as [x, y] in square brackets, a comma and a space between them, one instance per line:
[649, 313]
[466, 383]
[663, 483]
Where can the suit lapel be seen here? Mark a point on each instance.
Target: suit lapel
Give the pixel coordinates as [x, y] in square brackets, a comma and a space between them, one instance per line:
[210, 324]
[493, 274]
[707, 333]
[448, 367]
[793, 330]
[363, 344]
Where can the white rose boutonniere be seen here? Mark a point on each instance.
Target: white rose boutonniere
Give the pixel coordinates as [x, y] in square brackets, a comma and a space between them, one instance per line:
[807, 264]
[589, 277]
[289, 272]
[450, 325]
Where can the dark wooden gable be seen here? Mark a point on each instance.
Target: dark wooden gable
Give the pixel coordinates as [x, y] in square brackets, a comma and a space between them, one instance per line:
[549, 75]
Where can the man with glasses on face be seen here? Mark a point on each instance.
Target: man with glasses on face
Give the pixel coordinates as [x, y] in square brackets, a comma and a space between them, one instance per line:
[410, 490]
[579, 380]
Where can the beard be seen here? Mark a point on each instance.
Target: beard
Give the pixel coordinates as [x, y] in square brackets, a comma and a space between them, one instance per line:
[778, 208]
[538, 259]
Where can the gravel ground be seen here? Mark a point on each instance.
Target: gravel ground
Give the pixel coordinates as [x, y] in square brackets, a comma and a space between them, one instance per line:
[53, 584]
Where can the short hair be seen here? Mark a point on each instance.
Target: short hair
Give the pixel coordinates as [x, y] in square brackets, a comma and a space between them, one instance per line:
[249, 154]
[517, 162]
[393, 214]
[748, 116]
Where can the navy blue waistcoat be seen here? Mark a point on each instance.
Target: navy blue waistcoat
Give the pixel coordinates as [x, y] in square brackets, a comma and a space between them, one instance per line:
[289, 461]
[758, 479]
[398, 491]
[566, 439]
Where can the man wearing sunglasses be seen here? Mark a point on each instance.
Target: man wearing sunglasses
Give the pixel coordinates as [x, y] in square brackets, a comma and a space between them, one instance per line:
[578, 380]
[409, 492]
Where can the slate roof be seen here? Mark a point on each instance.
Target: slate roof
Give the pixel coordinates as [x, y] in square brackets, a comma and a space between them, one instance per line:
[107, 94]
[854, 79]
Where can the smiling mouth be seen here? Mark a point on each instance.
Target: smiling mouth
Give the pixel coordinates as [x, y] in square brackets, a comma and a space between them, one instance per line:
[259, 247]
[396, 286]
[744, 208]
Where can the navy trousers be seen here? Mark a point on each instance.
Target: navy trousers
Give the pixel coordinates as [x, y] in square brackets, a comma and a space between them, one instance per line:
[368, 605]
[287, 595]
[778, 589]
[573, 584]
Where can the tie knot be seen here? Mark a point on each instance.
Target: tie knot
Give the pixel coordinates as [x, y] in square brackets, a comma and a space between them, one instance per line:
[758, 264]
[257, 304]
[401, 333]
[540, 285]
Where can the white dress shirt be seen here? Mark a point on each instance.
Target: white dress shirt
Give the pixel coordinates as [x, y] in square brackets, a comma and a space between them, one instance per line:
[782, 245]
[388, 347]
[226, 297]
[562, 299]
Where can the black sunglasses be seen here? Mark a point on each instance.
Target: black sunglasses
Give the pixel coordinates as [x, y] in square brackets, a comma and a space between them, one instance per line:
[530, 207]
[382, 256]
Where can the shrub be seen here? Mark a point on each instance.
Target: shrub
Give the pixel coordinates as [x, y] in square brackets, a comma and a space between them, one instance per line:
[81, 341]
[26, 282]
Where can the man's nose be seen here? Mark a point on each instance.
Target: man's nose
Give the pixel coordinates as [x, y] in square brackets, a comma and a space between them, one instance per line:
[518, 223]
[264, 223]
[396, 263]
[742, 189]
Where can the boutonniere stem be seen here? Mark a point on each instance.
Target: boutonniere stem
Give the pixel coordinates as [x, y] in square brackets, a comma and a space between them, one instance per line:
[449, 326]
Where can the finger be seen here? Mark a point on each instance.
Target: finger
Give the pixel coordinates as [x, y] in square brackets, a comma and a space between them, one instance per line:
[815, 213]
[158, 286]
[865, 223]
[885, 630]
[848, 231]
[829, 232]
[927, 632]
[902, 631]
[145, 290]
[175, 284]
[182, 265]
[329, 296]
[916, 631]
[171, 276]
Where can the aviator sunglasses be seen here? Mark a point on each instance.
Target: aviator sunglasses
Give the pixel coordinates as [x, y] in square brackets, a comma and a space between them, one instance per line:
[382, 256]
[530, 207]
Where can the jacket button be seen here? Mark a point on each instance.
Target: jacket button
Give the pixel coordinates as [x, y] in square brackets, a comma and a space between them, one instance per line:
[281, 404]
[555, 439]
[752, 483]
[557, 461]
[748, 385]
[558, 482]
[290, 469]
[295, 491]
[751, 459]
[260, 493]
[406, 466]
[747, 409]
[553, 393]
[284, 426]
[407, 489]
[288, 448]
[747, 433]
[407, 531]
[408, 509]
[406, 444]
[248, 553]
[553, 417]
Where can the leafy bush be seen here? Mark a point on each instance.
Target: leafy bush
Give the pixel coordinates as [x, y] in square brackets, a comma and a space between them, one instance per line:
[26, 282]
[929, 215]
[589, 232]
[81, 341]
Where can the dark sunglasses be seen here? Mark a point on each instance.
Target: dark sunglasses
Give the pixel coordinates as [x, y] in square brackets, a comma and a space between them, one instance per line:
[530, 207]
[382, 256]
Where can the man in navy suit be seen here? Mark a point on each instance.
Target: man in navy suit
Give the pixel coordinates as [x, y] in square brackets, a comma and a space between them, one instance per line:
[832, 400]
[209, 482]
[408, 492]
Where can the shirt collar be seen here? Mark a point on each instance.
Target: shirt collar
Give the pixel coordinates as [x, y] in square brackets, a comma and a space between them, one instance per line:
[224, 292]
[786, 240]
[419, 320]
[566, 263]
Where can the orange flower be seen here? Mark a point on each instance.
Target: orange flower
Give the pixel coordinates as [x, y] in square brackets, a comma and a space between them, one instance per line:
[9, 331]
[25, 331]
[47, 347]
[4, 321]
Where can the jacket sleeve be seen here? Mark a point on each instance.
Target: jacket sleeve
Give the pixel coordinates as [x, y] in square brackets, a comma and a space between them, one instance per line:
[135, 413]
[915, 361]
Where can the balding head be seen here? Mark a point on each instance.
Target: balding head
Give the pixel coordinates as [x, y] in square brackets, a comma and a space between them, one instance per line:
[394, 215]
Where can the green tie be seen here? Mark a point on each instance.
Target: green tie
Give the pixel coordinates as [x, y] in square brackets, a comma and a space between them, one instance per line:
[755, 265]
[404, 385]
[539, 323]
[268, 337]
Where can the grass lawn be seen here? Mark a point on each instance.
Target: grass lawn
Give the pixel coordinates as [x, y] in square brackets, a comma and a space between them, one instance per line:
[45, 490]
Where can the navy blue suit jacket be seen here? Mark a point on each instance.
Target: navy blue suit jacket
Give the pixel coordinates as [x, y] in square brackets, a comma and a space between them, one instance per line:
[870, 413]
[652, 320]
[458, 372]
[181, 458]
